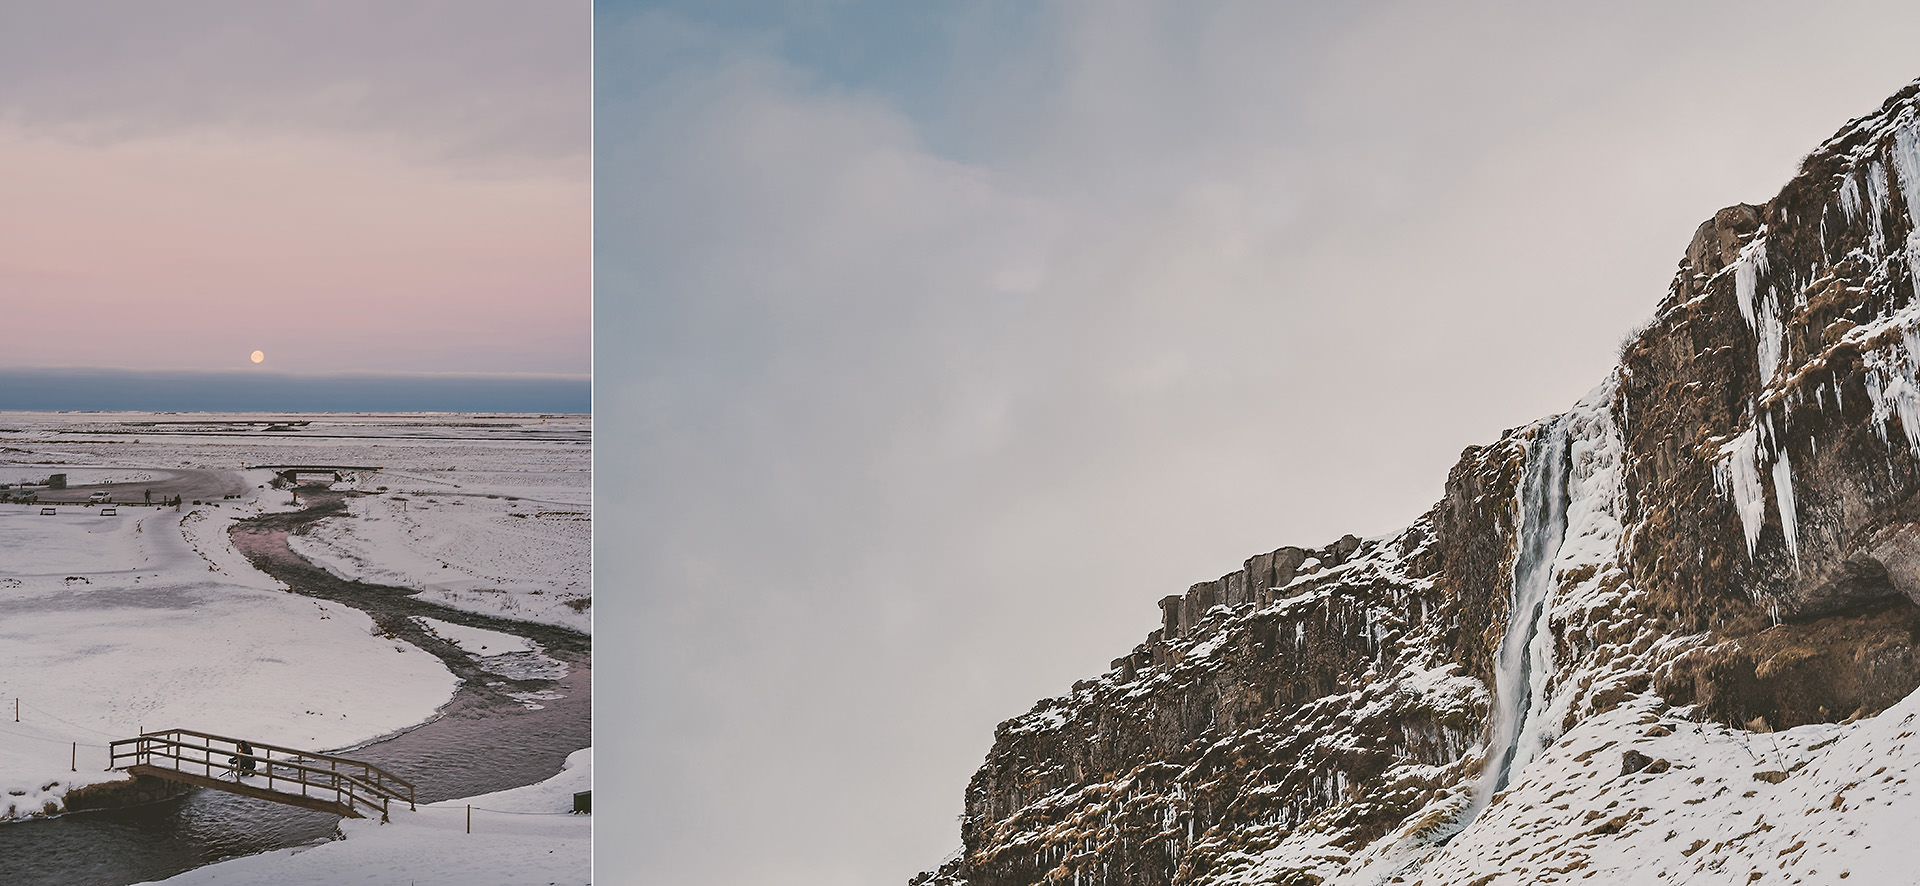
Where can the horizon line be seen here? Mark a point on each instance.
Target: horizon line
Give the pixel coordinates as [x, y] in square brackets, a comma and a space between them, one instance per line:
[48, 389]
[330, 373]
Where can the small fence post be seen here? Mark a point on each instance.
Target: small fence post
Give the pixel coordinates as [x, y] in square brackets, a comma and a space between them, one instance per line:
[469, 818]
[74, 764]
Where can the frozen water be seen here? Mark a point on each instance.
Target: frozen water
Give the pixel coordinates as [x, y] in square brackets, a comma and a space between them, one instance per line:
[1525, 656]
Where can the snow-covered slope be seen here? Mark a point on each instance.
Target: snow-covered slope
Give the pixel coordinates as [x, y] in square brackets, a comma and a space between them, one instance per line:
[1819, 803]
[1673, 632]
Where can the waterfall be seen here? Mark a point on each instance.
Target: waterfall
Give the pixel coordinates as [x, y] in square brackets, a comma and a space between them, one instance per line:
[1525, 663]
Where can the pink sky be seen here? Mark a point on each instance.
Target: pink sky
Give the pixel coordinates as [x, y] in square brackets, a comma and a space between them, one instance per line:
[397, 206]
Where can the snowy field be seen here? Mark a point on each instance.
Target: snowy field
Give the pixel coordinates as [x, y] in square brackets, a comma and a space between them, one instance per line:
[112, 625]
[485, 513]
[507, 544]
[525, 835]
[149, 619]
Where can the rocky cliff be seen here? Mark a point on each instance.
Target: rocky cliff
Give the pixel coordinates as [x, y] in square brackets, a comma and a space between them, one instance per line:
[1690, 596]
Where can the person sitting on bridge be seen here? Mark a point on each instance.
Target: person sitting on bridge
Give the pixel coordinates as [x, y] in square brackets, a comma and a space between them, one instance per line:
[242, 760]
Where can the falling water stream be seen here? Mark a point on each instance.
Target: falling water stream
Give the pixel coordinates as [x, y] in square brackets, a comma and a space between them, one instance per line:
[484, 739]
[1525, 658]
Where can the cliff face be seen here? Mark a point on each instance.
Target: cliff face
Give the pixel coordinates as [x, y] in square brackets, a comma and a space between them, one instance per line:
[1721, 539]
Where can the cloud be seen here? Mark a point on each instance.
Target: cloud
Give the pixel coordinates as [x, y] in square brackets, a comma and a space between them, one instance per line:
[487, 82]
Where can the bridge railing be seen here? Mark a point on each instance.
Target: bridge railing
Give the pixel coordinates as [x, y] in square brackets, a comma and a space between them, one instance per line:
[354, 783]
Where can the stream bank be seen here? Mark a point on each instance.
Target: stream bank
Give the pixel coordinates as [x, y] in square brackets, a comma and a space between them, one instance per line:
[499, 730]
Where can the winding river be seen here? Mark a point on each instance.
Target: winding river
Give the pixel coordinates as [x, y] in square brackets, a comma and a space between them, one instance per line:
[499, 731]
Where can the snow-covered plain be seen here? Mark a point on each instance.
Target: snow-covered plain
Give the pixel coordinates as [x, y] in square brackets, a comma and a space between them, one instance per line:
[517, 549]
[525, 835]
[111, 625]
[485, 513]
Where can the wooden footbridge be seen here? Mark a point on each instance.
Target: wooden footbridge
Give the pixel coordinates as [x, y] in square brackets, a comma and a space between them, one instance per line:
[268, 772]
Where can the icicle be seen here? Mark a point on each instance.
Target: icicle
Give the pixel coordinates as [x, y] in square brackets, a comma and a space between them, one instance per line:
[1877, 196]
[1747, 269]
[1783, 494]
[1906, 162]
[1850, 197]
[1769, 335]
[1737, 474]
[1894, 394]
[1906, 166]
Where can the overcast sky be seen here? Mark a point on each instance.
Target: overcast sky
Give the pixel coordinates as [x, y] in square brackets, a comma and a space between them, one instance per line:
[937, 342]
[362, 185]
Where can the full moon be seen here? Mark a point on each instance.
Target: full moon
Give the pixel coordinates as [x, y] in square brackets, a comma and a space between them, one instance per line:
[259, 356]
